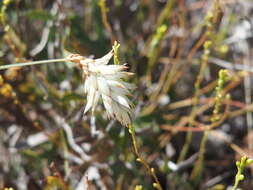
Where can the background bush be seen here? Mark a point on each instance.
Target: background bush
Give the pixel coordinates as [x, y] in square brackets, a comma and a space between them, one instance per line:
[176, 49]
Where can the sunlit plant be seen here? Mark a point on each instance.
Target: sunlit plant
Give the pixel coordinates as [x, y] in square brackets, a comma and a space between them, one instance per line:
[101, 80]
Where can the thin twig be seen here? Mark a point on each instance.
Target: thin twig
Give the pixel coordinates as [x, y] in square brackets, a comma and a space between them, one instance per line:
[151, 171]
[2, 67]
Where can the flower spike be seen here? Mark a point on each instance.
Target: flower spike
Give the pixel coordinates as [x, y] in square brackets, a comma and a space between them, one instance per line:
[105, 81]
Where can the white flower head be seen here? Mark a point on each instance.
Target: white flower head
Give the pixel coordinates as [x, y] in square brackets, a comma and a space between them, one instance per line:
[103, 80]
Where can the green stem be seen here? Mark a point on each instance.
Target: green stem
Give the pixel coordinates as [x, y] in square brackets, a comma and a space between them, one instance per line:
[197, 170]
[2, 67]
[244, 162]
[151, 171]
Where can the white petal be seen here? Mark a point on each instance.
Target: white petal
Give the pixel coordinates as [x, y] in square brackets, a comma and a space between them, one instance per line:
[127, 110]
[103, 86]
[95, 101]
[118, 75]
[120, 91]
[90, 82]
[117, 111]
[93, 82]
[125, 119]
[90, 99]
[90, 88]
[122, 100]
[115, 83]
[107, 101]
[111, 69]
[93, 68]
[105, 59]
[86, 84]
[121, 114]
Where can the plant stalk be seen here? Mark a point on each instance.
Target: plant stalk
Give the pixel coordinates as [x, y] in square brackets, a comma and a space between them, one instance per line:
[2, 67]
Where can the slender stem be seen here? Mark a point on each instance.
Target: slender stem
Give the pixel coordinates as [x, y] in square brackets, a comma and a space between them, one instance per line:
[2, 67]
[198, 167]
[151, 171]
[244, 162]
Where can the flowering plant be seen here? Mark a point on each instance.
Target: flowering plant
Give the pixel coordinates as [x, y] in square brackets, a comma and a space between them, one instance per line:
[103, 80]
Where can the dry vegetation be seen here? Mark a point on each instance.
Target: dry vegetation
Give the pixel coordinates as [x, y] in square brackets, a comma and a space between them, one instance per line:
[192, 118]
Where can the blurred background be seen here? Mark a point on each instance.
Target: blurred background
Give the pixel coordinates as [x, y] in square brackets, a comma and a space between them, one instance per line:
[191, 125]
